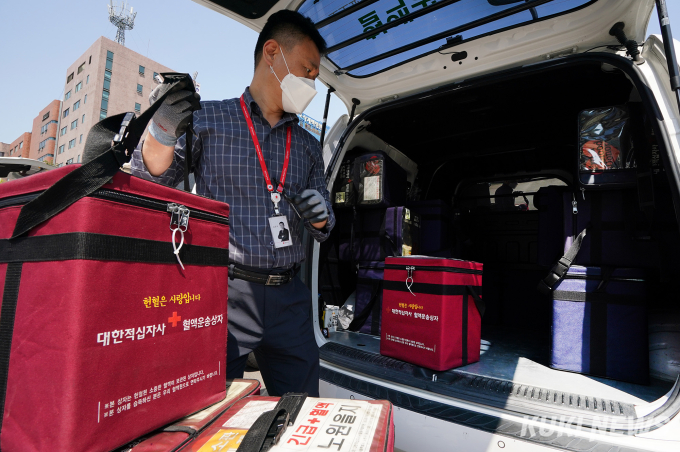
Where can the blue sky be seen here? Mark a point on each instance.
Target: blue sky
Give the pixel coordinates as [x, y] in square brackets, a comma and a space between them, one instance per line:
[40, 39]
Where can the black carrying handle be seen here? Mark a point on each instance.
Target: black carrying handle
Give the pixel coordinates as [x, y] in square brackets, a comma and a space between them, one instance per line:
[561, 267]
[479, 302]
[386, 236]
[188, 156]
[270, 426]
[112, 150]
[360, 319]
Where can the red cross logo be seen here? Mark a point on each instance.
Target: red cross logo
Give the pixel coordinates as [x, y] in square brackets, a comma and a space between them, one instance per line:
[174, 319]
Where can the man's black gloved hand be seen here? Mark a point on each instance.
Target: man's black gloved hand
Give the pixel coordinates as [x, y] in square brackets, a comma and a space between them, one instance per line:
[311, 206]
[171, 119]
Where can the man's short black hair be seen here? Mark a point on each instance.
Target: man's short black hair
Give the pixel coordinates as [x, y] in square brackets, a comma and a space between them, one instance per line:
[288, 28]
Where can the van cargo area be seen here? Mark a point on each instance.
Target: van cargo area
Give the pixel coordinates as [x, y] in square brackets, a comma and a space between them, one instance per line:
[522, 127]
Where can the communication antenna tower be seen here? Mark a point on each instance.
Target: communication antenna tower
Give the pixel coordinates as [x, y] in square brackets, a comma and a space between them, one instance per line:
[122, 19]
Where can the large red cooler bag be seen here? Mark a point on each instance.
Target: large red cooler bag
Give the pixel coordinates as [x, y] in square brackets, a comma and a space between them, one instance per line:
[171, 437]
[113, 320]
[432, 311]
[313, 424]
[104, 336]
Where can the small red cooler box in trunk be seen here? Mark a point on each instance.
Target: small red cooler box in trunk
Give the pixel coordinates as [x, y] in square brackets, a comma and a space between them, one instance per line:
[105, 337]
[432, 311]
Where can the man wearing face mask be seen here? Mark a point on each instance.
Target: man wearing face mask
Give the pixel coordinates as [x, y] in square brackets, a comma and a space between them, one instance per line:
[251, 153]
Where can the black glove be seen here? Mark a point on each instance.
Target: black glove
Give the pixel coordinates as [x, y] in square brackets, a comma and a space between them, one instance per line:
[311, 206]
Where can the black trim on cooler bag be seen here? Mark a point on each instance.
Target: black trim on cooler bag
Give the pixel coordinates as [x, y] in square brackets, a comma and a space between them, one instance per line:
[464, 317]
[599, 298]
[9, 308]
[85, 245]
[598, 339]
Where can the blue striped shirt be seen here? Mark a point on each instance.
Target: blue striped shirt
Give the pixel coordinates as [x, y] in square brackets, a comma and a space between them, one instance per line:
[226, 169]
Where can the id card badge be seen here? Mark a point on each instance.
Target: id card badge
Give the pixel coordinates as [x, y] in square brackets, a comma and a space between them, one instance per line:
[280, 231]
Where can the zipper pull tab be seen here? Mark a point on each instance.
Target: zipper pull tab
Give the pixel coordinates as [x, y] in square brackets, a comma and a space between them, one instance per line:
[179, 221]
[409, 278]
[183, 218]
[574, 205]
[174, 215]
[583, 193]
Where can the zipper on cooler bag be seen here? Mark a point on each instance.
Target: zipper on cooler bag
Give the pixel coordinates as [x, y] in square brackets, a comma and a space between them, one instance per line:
[434, 269]
[122, 198]
[156, 205]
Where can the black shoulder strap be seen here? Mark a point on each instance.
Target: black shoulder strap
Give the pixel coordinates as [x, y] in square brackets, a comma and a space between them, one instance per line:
[479, 303]
[360, 318]
[352, 237]
[561, 267]
[112, 141]
[270, 426]
[188, 157]
[384, 235]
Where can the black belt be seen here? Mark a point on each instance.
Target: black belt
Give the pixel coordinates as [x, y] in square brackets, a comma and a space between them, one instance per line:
[275, 278]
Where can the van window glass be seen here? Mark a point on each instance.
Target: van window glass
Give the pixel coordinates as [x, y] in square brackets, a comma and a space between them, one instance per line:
[358, 50]
[503, 195]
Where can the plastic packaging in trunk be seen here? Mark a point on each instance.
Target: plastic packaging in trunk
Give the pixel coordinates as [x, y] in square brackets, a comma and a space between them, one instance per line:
[605, 147]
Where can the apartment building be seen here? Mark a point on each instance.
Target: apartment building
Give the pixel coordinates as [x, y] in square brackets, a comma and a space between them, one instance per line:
[106, 80]
[44, 133]
[20, 146]
[40, 142]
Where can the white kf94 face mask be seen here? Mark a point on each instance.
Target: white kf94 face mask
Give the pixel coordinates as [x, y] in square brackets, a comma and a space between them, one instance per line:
[297, 92]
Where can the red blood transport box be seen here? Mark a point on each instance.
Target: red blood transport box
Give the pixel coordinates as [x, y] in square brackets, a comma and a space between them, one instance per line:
[321, 424]
[107, 336]
[171, 437]
[431, 311]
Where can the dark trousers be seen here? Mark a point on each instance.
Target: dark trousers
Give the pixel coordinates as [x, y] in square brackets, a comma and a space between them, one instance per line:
[275, 322]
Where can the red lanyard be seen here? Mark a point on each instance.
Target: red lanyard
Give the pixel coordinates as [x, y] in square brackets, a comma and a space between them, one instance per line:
[258, 149]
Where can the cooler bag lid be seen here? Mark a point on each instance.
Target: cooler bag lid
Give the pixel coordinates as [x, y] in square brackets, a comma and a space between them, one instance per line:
[612, 285]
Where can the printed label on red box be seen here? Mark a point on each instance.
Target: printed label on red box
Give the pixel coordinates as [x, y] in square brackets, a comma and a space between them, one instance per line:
[332, 424]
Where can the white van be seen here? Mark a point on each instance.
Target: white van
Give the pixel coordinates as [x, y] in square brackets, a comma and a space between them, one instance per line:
[470, 94]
